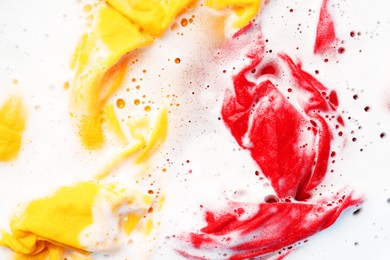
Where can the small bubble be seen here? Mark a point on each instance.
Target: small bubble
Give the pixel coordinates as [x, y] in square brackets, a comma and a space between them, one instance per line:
[271, 199]
[147, 108]
[120, 103]
[357, 211]
[136, 102]
[367, 108]
[355, 96]
[87, 8]
[382, 135]
[184, 22]
[341, 50]
[177, 60]
[352, 34]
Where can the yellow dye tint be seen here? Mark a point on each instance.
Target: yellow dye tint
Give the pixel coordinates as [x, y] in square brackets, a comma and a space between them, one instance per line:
[48, 226]
[131, 222]
[147, 141]
[126, 153]
[160, 203]
[157, 136]
[244, 9]
[148, 227]
[114, 124]
[12, 125]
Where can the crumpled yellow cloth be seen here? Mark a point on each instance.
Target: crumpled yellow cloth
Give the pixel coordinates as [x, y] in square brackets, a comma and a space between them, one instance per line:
[12, 125]
[121, 27]
[71, 219]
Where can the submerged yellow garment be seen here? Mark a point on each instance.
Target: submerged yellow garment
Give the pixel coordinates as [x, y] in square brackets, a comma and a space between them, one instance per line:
[122, 26]
[12, 124]
[48, 226]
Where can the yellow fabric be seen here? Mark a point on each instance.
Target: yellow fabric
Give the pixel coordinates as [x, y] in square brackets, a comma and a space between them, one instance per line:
[12, 125]
[153, 16]
[49, 225]
[114, 35]
[244, 9]
[122, 26]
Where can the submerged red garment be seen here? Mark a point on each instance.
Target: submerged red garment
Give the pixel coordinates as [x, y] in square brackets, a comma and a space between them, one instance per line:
[285, 118]
[291, 146]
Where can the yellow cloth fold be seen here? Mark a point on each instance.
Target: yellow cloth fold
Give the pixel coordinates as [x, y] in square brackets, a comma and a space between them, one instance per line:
[12, 125]
[48, 226]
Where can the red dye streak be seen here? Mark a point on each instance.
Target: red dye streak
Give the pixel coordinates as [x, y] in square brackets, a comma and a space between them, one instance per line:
[326, 36]
[274, 130]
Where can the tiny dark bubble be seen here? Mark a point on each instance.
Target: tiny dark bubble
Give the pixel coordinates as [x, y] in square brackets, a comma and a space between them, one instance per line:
[356, 243]
[388, 200]
[382, 135]
[271, 199]
[367, 108]
[355, 96]
[341, 50]
[357, 211]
